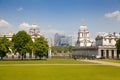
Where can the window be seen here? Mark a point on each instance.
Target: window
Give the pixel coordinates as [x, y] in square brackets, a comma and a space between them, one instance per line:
[109, 40]
[105, 39]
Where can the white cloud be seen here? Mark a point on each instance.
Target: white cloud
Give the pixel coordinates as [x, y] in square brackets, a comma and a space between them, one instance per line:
[4, 23]
[20, 9]
[115, 15]
[24, 25]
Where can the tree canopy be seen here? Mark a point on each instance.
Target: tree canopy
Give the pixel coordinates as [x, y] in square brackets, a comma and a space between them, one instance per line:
[118, 45]
[22, 43]
[40, 47]
[4, 46]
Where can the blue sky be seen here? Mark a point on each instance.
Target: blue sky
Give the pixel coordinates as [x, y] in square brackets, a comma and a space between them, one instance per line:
[62, 16]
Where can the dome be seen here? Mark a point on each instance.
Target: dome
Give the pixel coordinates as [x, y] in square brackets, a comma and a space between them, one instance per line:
[83, 27]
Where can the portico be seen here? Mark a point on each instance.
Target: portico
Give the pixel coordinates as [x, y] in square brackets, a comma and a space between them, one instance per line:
[108, 52]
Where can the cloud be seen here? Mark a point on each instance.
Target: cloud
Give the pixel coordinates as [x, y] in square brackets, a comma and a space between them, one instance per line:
[4, 23]
[25, 25]
[115, 15]
[20, 9]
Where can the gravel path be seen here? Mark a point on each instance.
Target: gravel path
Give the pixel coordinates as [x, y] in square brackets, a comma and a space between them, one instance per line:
[103, 62]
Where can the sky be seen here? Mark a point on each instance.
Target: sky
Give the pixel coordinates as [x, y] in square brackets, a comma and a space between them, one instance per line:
[60, 16]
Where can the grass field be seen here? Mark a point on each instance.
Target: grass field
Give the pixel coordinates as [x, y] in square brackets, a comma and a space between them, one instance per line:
[52, 61]
[57, 72]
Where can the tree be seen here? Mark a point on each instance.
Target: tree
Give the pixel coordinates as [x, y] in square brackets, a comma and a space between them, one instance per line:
[118, 45]
[29, 47]
[4, 46]
[21, 40]
[40, 47]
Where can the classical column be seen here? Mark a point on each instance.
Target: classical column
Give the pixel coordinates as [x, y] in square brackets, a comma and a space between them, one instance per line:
[110, 53]
[104, 53]
[115, 53]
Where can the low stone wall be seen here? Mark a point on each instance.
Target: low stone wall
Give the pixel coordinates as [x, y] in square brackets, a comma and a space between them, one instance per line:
[84, 52]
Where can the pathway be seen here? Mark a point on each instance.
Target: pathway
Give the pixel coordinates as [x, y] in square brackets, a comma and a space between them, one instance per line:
[103, 62]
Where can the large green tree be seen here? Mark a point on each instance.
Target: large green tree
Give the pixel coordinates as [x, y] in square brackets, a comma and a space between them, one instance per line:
[30, 47]
[40, 47]
[4, 46]
[118, 45]
[22, 43]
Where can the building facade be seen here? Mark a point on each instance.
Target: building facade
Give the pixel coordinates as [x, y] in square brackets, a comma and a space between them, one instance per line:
[83, 37]
[102, 47]
[8, 35]
[106, 45]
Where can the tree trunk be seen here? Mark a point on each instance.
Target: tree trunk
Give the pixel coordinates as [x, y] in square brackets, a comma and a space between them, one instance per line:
[22, 57]
[39, 57]
[30, 55]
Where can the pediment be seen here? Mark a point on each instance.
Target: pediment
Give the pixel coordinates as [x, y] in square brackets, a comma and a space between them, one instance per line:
[110, 36]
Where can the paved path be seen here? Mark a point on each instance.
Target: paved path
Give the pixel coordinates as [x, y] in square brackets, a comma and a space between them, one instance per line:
[103, 62]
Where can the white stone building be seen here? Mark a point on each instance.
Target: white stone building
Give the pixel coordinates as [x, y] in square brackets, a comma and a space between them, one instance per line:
[103, 47]
[106, 44]
[83, 37]
[8, 35]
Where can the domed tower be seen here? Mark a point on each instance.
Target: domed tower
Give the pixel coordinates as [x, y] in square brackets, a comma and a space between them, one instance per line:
[83, 36]
[34, 31]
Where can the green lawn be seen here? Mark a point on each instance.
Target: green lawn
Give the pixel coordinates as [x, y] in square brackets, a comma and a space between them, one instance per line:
[52, 61]
[61, 72]
[56, 72]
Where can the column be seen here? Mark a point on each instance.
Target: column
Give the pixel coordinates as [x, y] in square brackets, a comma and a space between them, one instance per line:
[110, 54]
[115, 53]
[105, 53]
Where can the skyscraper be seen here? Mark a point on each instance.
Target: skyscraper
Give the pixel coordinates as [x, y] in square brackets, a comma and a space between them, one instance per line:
[62, 40]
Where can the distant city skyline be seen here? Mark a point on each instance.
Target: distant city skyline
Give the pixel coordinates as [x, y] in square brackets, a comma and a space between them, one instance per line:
[60, 16]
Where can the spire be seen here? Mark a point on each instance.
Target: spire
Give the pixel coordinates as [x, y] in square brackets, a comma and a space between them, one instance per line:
[83, 23]
[83, 26]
